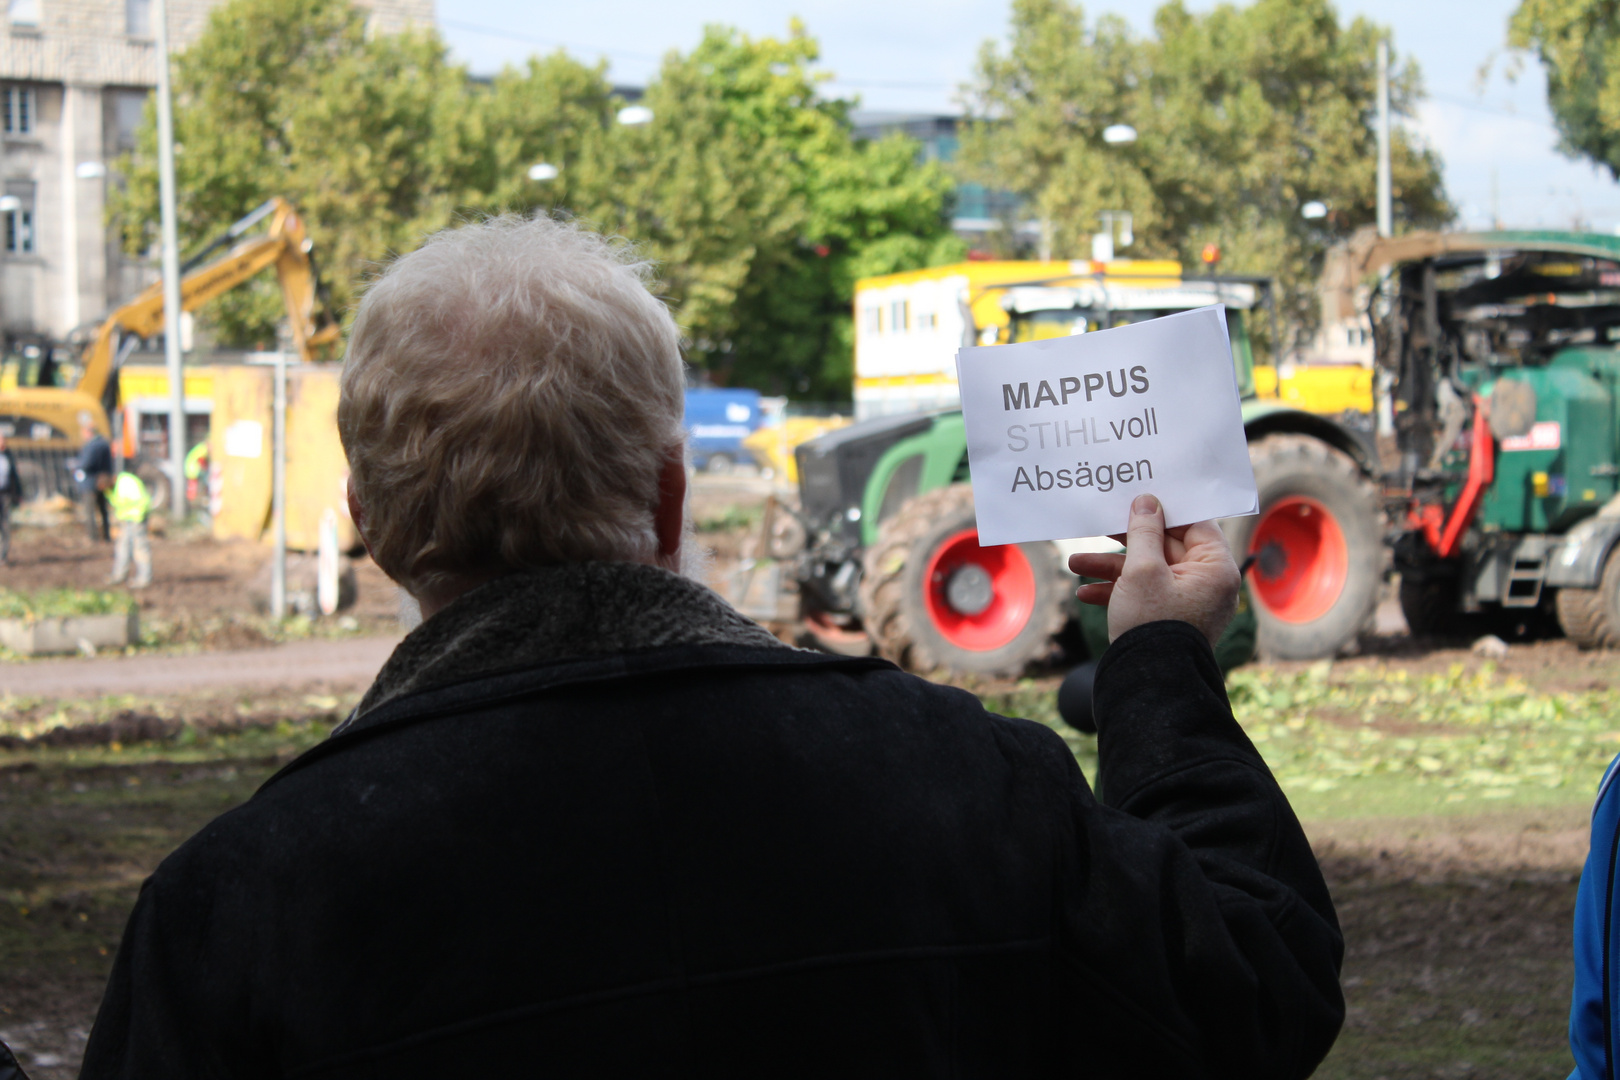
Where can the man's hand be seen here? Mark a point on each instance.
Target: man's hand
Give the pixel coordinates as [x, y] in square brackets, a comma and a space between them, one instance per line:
[1186, 573]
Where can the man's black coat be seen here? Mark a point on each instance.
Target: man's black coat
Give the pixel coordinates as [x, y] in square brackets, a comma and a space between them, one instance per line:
[591, 823]
[95, 459]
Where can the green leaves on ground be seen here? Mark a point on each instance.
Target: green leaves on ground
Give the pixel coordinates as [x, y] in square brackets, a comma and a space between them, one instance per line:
[747, 186]
[1465, 733]
[57, 603]
[1243, 115]
[1458, 735]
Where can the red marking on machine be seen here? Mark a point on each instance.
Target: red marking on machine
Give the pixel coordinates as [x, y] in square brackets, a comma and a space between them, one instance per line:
[1481, 471]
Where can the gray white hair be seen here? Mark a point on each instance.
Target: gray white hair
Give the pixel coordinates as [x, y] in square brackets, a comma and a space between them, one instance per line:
[510, 393]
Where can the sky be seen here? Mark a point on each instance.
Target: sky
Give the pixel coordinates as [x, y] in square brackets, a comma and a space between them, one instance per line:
[1495, 135]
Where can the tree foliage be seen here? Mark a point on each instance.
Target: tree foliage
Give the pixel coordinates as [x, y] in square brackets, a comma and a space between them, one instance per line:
[1243, 115]
[293, 98]
[747, 187]
[1578, 41]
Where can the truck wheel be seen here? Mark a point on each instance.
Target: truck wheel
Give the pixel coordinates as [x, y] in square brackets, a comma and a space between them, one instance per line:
[1430, 607]
[1317, 545]
[1580, 614]
[1591, 617]
[932, 597]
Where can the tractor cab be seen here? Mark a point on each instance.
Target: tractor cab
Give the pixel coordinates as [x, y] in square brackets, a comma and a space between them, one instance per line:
[1037, 312]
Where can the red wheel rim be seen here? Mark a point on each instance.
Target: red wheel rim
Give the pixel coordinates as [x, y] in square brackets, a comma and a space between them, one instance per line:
[1301, 560]
[1012, 599]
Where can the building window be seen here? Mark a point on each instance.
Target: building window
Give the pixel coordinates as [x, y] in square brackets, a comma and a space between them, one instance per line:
[874, 320]
[138, 18]
[124, 124]
[23, 12]
[17, 110]
[18, 217]
[900, 316]
[927, 320]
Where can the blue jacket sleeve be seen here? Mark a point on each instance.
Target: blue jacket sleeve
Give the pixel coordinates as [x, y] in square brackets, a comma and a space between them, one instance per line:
[1592, 1013]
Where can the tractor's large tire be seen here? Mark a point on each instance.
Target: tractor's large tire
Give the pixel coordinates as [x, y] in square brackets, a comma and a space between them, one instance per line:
[1580, 614]
[1591, 617]
[1318, 547]
[1430, 607]
[927, 573]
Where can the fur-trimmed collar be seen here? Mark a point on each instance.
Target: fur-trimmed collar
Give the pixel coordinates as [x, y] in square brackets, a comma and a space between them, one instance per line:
[564, 612]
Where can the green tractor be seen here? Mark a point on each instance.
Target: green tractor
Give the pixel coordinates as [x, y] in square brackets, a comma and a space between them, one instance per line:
[1505, 388]
[891, 561]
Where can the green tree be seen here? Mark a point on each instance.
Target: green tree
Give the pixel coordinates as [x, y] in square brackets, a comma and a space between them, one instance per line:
[748, 187]
[364, 133]
[555, 111]
[1578, 41]
[1243, 115]
[762, 209]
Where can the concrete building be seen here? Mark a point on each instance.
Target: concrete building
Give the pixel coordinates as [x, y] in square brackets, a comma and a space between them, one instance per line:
[74, 77]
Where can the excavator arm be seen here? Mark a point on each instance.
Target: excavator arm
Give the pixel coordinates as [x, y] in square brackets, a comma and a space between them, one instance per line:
[284, 245]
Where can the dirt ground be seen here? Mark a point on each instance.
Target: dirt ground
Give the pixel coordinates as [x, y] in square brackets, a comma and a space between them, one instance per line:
[194, 577]
[1550, 664]
[1457, 931]
[197, 579]
[1457, 927]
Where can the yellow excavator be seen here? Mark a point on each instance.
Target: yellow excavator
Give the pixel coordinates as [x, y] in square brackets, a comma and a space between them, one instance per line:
[41, 422]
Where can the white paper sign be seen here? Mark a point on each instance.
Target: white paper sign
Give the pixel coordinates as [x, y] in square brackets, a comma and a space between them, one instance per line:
[1064, 433]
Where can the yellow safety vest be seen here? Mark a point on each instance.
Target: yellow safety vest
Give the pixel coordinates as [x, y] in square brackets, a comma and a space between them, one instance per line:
[129, 497]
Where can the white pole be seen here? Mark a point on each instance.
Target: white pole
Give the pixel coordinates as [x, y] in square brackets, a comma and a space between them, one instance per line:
[278, 492]
[1386, 216]
[70, 206]
[171, 268]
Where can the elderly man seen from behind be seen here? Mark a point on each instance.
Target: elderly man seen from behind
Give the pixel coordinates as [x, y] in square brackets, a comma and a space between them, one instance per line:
[589, 821]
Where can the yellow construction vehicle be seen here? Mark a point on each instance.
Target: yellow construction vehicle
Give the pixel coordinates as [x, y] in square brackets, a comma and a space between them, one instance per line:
[41, 421]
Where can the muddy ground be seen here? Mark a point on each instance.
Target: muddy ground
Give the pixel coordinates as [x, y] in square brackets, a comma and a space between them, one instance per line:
[197, 579]
[217, 588]
[1457, 926]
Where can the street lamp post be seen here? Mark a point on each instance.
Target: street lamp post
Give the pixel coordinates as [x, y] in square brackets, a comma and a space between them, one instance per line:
[1386, 216]
[171, 267]
[1102, 242]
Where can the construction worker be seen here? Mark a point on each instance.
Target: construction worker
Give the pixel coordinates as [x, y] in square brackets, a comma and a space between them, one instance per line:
[196, 468]
[131, 502]
[93, 472]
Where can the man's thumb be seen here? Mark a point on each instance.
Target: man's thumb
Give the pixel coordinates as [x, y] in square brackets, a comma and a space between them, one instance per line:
[1144, 540]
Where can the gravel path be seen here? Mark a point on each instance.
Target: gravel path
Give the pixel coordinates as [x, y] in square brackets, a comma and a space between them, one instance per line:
[344, 664]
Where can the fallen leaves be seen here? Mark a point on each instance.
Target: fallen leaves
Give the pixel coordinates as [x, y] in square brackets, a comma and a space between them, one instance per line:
[1457, 730]
[1469, 733]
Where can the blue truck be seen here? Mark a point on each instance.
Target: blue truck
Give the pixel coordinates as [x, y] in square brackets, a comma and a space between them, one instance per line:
[717, 422]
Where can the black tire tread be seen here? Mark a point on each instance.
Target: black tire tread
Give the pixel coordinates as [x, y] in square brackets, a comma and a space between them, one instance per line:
[1591, 617]
[1580, 614]
[1430, 608]
[882, 588]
